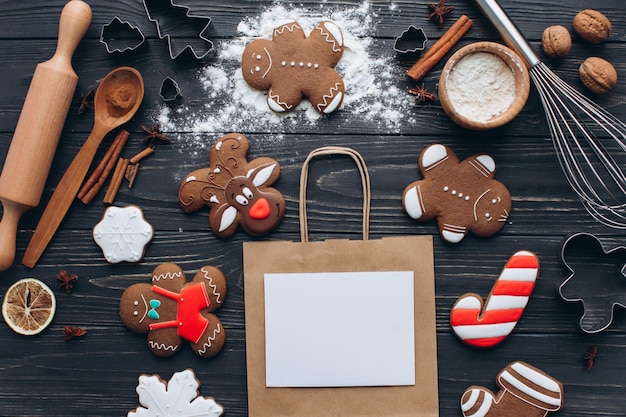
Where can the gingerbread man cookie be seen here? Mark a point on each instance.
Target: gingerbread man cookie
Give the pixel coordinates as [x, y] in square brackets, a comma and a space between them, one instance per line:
[171, 309]
[524, 391]
[462, 195]
[292, 65]
[237, 191]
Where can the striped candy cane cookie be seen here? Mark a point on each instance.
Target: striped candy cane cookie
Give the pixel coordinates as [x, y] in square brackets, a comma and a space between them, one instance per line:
[489, 325]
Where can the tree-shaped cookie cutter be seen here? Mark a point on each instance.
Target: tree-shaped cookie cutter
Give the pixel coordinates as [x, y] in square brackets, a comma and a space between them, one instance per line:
[597, 279]
[175, 21]
[121, 36]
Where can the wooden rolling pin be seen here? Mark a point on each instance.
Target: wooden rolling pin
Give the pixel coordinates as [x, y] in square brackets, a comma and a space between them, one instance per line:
[39, 127]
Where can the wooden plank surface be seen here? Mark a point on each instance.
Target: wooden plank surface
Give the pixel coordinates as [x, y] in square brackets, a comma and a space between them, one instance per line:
[97, 375]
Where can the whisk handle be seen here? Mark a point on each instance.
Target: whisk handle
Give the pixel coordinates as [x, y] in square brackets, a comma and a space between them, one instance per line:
[509, 32]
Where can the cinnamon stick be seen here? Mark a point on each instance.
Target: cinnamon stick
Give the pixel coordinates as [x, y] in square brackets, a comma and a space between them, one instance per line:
[116, 180]
[440, 48]
[95, 182]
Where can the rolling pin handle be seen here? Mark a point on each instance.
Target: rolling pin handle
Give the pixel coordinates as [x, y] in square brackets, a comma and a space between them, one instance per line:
[8, 231]
[74, 22]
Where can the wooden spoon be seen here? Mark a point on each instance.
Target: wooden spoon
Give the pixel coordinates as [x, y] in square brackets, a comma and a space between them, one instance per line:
[116, 101]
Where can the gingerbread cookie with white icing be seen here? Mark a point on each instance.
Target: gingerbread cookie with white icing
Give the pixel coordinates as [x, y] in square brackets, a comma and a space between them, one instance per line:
[524, 391]
[171, 310]
[236, 190]
[292, 65]
[462, 195]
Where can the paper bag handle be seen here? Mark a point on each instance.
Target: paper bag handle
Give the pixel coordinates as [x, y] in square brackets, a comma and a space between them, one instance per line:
[365, 182]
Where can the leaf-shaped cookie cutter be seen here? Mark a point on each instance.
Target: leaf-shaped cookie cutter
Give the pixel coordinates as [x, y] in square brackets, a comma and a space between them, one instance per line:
[161, 12]
[118, 29]
[597, 279]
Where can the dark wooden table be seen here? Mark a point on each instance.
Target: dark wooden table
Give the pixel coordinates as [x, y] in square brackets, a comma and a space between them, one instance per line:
[97, 375]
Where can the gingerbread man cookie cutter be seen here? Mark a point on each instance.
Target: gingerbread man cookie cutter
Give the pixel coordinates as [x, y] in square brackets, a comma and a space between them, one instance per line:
[597, 279]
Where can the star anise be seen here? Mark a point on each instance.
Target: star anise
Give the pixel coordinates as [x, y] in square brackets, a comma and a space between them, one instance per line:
[154, 132]
[590, 356]
[71, 332]
[84, 102]
[422, 93]
[439, 11]
[66, 280]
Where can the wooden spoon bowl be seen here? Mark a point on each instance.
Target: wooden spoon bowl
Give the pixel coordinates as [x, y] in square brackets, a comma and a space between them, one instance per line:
[118, 97]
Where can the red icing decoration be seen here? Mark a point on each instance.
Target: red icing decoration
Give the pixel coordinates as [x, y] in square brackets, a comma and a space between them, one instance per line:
[466, 316]
[523, 262]
[260, 210]
[189, 322]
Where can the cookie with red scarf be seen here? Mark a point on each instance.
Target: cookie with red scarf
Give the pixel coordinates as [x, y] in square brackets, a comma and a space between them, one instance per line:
[171, 310]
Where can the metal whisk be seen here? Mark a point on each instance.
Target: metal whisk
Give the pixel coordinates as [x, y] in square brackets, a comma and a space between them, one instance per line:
[589, 141]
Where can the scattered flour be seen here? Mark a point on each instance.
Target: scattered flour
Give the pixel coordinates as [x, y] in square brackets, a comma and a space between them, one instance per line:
[372, 95]
[486, 73]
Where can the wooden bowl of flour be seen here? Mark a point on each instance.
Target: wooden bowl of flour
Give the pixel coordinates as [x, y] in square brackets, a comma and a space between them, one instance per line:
[484, 85]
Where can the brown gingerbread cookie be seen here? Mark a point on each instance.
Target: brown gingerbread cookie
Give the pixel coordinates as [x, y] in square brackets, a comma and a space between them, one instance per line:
[171, 309]
[292, 65]
[462, 195]
[524, 391]
[237, 191]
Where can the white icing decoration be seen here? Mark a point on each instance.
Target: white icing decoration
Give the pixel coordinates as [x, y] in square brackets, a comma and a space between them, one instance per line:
[228, 218]
[508, 377]
[487, 162]
[446, 188]
[257, 69]
[460, 195]
[210, 340]
[413, 203]
[484, 331]
[316, 66]
[432, 155]
[335, 31]
[293, 64]
[167, 275]
[309, 65]
[258, 57]
[262, 175]
[536, 377]
[484, 407]
[452, 235]
[283, 63]
[145, 305]
[453, 192]
[269, 65]
[274, 102]
[336, 100]
[190, 178]
[122, 234]
[477, 200]
[218, 296]
[301, 64]
[181, 392]
[214, 199]
[218, 145]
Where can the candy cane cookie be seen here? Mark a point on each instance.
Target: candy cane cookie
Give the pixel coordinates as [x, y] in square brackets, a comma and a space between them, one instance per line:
[487, 325]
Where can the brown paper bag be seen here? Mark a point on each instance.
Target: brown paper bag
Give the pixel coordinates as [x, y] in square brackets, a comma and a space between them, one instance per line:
[387, 254]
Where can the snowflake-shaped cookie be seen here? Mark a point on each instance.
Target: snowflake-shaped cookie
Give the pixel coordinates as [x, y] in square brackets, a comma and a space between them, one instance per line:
[178, 397]
[123, 234]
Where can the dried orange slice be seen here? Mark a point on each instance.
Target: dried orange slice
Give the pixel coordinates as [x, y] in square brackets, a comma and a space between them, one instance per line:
[28, 306]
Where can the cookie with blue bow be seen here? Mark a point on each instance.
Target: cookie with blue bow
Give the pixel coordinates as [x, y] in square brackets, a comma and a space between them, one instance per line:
[172, 310]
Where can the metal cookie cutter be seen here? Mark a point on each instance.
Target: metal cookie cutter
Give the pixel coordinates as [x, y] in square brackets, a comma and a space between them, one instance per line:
[597, 279]
[411, 40]
[175, 21]
[121, 36]
[170, 91]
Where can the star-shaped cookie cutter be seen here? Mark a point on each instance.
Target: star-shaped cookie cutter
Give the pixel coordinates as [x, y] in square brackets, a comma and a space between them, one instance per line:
[597, 279]
[167, 16]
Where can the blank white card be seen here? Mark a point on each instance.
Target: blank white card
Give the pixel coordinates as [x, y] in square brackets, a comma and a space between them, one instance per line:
[339, 329]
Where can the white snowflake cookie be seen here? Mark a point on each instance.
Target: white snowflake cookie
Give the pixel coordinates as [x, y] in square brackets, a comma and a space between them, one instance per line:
[123, 234]
[178, 397]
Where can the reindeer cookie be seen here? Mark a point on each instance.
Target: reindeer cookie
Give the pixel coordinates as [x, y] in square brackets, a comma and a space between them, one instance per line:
[237, 191]
[291, 66]
[462, 195]
[171, 309]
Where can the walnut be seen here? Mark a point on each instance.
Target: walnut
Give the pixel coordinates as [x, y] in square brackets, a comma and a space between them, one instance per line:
[598, 75]
[556, 41]
[592, 26]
